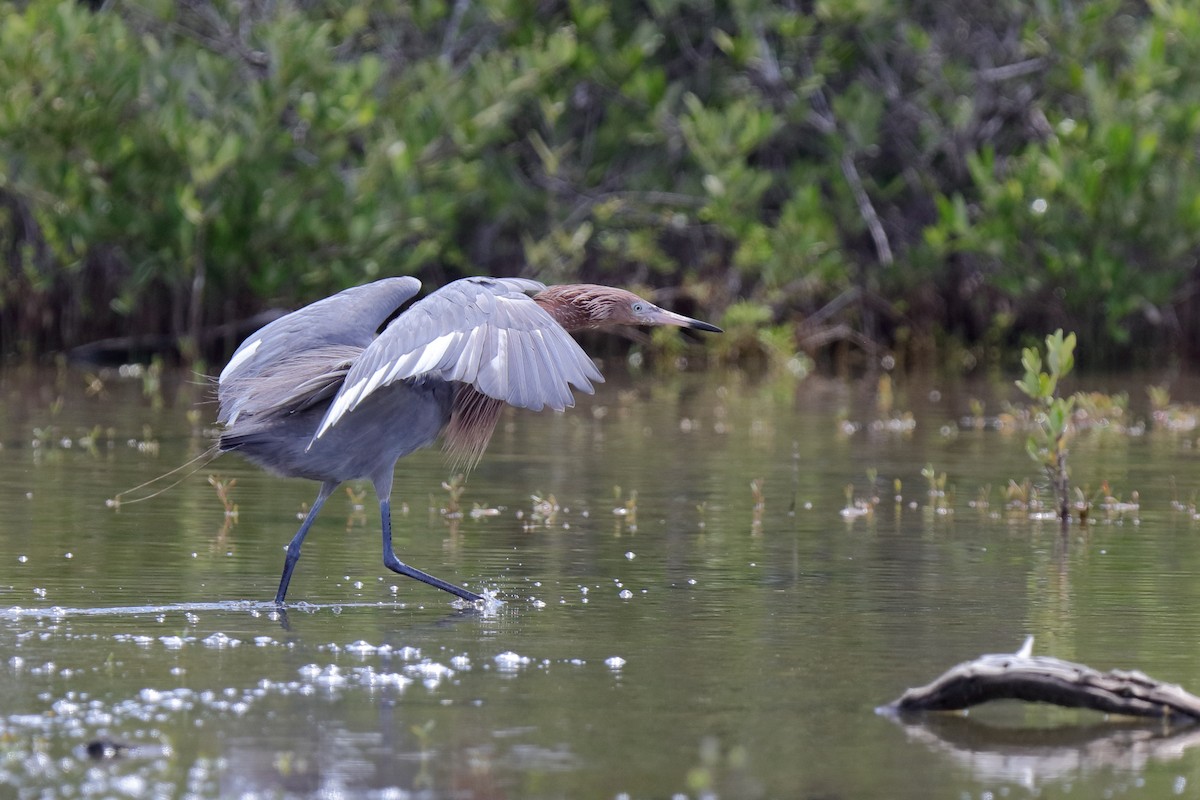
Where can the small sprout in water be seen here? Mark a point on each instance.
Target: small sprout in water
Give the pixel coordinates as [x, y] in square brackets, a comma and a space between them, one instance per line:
[454, 489]
[760, 505]
[982, 500]
[545, 509]
[756, 492]
[937, 483]
[1047, 445]
[358, 514]
[884, 397]
[356, 497]
[856, 508]
[629, 509]
[424, 735]
[94, 385]
[1083, 505]
[224, 488]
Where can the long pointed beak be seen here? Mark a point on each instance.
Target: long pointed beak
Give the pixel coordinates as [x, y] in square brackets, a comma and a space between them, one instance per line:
[660, 316]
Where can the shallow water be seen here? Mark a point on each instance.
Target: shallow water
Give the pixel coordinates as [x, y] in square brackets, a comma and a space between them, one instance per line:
[667, 630]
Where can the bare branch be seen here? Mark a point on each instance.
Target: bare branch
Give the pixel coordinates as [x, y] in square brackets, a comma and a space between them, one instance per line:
[1021, 676]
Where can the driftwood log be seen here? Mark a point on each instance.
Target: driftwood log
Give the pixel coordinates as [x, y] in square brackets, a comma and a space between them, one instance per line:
[1023, 676]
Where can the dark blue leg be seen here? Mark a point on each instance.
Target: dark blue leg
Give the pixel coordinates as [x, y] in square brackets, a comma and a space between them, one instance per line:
[396, 565]
[293, 549]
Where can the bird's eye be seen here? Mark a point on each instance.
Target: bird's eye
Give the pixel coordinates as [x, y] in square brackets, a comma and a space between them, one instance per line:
[638, 308]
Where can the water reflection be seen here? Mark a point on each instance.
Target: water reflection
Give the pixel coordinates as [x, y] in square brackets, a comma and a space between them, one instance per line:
[1034, 757]
[738, 653]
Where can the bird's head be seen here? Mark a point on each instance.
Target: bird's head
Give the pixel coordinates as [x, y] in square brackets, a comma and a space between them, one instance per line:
[586, 305]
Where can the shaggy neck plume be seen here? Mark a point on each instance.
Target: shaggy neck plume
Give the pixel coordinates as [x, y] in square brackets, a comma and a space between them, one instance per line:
[576, 306]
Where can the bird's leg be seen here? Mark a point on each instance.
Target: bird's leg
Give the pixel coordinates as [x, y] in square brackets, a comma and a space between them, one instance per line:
[396, 565]
[293, 549]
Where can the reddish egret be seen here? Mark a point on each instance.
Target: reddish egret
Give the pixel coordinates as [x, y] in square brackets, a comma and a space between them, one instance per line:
[324, 394]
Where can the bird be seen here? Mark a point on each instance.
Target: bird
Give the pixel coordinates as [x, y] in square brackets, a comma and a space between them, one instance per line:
[343, 388]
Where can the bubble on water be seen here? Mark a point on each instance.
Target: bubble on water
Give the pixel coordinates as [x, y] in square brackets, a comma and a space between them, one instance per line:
[130, 785]
[329, 676]
[460, 662]
[263, 641]
[370, 678]
[22, 559]
[361, 648]
[630, 555]
[1179, 785]
[614, 662]
[430, 672]
[407, 653]
[691, 581]
[172, 642]
[509, 661]
[625, 594]
[538, 603]
[220, 641]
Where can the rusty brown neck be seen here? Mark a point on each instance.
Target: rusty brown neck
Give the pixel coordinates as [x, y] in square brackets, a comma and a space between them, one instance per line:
[575, 306]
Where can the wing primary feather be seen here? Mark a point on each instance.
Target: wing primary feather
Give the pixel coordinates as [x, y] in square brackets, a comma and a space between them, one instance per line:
[550, 374]
[520, 358]
[498, 368]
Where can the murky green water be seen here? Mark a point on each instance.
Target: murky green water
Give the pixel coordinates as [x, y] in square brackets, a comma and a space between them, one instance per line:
[696, 644]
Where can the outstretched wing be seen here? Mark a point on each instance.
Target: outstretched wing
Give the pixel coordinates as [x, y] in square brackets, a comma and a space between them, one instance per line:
[485, 332]
[303, 355]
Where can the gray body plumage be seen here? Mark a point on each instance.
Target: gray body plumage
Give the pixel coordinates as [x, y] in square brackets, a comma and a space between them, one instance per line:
[335, 391]
[323, 394]
[330, 394]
